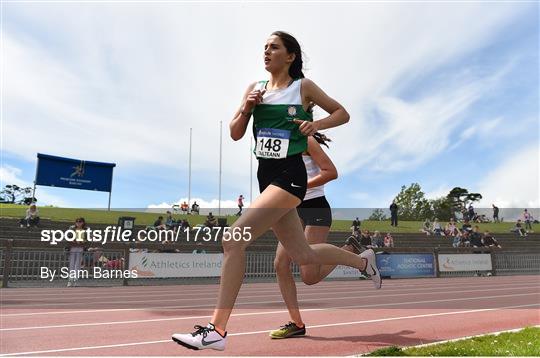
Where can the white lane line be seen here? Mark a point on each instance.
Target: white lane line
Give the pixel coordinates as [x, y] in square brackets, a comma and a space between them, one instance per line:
[261, 313]
[12, 293]
[212, 304]
[212, 299]
[269, 329]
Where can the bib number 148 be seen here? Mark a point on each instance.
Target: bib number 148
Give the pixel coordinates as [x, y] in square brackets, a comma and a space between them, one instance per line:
[272, 143]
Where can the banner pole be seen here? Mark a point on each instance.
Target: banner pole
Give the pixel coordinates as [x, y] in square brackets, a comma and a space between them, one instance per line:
[220, 156]
[189, 171]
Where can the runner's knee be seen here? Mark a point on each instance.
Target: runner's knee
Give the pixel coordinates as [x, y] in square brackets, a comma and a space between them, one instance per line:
[310, 276]
[282, 265]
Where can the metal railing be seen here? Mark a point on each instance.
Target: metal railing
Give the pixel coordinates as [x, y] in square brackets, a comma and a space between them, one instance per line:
[23, 264]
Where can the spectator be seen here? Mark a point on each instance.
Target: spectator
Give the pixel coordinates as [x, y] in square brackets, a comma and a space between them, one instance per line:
[437, 228]
[466, 227]
[426, 227]
[476, 237]
[457, 239]
[471, 214]
[377, 240]
[465, 239]
[184, 207]
[211, 221]
[451, 229]
[199, 249]
[365, 239]
[169, 222]
[388, 240]
[240, 205]
[393, 213]
[195, 208]
[31, 218]
[355, 226]
[489, 241]
[184, 225]
[495, 213]
[76, 250]
[464, 213]
[518, 229]
[527, 219]
[158, 224]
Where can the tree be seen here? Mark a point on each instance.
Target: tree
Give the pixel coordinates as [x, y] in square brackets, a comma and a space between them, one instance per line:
[441, 208]
[460, 198]
[14, 194]
[412, 204]
[377, 215]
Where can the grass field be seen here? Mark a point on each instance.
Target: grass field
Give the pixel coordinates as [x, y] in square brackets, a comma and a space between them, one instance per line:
[523, 343]
[148, 218]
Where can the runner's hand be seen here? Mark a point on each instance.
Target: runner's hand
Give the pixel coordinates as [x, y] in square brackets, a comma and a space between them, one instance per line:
[253, 99]
[307, 128]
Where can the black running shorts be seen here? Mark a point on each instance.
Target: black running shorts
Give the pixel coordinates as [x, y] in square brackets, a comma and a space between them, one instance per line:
[315, 212]
[289, 174]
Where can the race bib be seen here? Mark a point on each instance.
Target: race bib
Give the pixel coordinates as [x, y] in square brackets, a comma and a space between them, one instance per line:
[272, 143]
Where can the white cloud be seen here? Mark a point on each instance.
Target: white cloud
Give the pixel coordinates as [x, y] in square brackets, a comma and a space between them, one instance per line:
[93, 83]
[515, 182]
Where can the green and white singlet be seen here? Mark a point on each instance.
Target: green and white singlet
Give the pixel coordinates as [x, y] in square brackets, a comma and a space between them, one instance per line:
[275, 133]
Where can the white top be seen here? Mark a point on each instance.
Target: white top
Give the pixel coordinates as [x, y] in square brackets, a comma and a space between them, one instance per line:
[290, 95]
[312, 170]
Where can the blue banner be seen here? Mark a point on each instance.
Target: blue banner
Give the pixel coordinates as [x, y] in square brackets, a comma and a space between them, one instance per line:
[406, 265]
[74, 173]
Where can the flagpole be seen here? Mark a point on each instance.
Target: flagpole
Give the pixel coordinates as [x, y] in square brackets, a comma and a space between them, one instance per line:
[189, 170]
[220, 158]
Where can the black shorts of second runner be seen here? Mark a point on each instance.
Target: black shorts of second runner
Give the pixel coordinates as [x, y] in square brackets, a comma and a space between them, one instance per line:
[288, 173]
[315, 212]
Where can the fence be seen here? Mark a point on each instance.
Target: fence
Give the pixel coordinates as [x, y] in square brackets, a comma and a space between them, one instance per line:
[22, 265]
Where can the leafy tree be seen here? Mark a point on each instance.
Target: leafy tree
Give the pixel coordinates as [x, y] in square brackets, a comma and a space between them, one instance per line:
[377, 215]
[441, 208]
[412, 204]
[15, 194]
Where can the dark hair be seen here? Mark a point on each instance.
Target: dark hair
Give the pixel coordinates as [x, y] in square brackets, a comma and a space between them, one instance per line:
[322, 139]
[292, 46]
[82, 221]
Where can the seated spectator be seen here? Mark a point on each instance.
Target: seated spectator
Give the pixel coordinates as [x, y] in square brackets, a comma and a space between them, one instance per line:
[489, 241]
[167, 247]
[211, 221]
[158, 224]
[388, 240]
[184, 207]
[466, 227]
[476, 237]
[457, 239]
[377, 240]
[195, 208]
[184, 225]
[31, 218]
[199, 250]
[426, 228]
[437, 228]
[365, 238]
[465, 239]
[451, 229]
[170, 223]
[518, 229]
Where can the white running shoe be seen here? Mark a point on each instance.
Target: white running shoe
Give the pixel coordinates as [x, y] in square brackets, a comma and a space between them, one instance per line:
[371, 267]
[203, 338]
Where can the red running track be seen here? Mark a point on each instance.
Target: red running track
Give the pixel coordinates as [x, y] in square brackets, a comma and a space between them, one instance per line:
[342, 317]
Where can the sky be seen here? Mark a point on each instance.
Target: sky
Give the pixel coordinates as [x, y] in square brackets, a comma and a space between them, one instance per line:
[442, 94]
